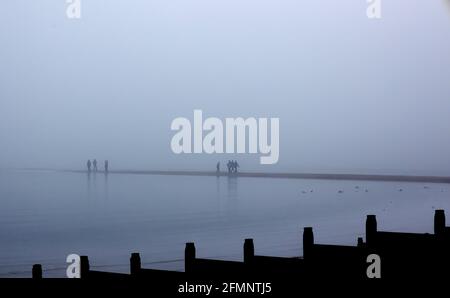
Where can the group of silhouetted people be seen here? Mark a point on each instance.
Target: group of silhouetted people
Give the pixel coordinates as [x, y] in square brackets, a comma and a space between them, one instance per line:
[232, 166]
[92, 166]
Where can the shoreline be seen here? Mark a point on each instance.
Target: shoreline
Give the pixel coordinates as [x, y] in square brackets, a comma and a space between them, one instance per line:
[315, 176]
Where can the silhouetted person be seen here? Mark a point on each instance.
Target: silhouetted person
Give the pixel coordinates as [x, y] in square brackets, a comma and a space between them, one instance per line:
[106, 166]
[218, 167]
[88, 164]
[94, 163]
[229, 166]
[236, 166]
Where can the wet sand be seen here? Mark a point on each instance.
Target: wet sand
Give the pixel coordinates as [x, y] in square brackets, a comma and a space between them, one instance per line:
[318, 176]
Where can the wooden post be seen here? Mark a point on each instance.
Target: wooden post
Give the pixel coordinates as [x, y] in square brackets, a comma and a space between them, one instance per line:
[360, 242]
[84, 267]
[189, 257]
[135, 264]
[439, 222]
[249, 251]
[36, 272]
[371, 230]
[308, 242]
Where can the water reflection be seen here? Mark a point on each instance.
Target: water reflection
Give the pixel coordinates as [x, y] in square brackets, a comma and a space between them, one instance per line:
[218, 194]
[88, 185]
[106, 187]
[232, 194]
[174, 210]
[92, 188]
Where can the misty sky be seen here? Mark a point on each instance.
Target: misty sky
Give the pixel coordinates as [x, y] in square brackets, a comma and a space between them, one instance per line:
[352, 94]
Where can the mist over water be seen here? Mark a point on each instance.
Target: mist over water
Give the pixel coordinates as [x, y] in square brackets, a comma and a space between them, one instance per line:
[45, 216]
[352, 94]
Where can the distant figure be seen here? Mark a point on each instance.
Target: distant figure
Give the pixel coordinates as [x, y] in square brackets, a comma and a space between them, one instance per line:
[106, 166]
[218, 167]
[229, 166]
[89, 165]
[94, 163]
[236, 166]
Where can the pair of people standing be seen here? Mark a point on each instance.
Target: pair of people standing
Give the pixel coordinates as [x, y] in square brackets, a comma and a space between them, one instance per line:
[93, 165]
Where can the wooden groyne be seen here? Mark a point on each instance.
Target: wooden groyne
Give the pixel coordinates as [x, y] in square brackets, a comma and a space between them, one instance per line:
[405, 255]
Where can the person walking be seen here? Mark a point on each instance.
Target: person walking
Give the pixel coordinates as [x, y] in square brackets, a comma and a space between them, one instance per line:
[106, 166]
[94, 163]
[88, 164]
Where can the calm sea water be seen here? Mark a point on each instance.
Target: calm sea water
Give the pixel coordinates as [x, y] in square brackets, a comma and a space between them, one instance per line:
[45, 216]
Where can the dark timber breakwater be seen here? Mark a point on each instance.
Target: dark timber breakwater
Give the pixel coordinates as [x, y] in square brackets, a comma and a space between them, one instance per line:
[318, 176]
[402, 255]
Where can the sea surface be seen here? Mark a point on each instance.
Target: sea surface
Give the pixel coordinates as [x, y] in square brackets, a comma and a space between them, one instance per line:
[47, 215]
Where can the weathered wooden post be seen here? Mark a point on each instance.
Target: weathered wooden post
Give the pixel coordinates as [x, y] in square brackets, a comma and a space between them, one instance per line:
[360, 242]
[439, 222]
[371, 230]
[36, 272]
[84, 267]
[135, 264]
[189, 257]
[308, 242]
[249, 251]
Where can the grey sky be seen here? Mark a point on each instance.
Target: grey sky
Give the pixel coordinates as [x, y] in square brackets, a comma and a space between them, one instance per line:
[352, 94]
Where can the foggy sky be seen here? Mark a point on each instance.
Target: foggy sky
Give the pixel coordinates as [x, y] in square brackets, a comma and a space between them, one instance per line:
[352, 94]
